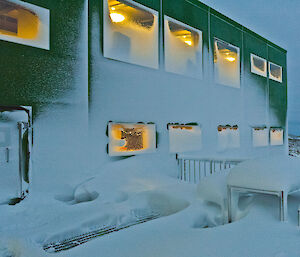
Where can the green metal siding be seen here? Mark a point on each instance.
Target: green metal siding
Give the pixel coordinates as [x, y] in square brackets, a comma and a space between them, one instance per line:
[277, 90]
[254, 85]
[188, 13]
[153, 4]
[225, 31]
[35, 77]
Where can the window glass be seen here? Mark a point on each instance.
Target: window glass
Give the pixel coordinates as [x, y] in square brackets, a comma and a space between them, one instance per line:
[258, 65]
[276, 136]
[24, 23]
[131, 138]
[275, 72]
[183, 48]
[130, 33]
[226, 64]
[184, 138]
[260, 136]
[228, 137]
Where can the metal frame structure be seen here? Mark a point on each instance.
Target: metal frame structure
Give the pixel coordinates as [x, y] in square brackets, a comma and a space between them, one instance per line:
[194, 169]
[281, 194]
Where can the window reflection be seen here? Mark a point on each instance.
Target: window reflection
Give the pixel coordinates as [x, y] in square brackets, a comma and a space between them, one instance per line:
[226, 64]
[258, 65]
[183, 48]
[275, 72]
[130, 33]
[18, 21]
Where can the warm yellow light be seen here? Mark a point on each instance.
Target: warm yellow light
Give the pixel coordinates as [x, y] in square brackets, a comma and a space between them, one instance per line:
[113, 8]
[188, 42]
[117, 17]
[230, 59]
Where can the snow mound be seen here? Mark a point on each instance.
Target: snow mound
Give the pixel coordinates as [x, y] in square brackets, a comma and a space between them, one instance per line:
[212, 191]
[275, 173]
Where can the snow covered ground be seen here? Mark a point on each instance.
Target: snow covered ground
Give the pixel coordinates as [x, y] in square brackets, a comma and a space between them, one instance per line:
[191, 222]
[294, 145]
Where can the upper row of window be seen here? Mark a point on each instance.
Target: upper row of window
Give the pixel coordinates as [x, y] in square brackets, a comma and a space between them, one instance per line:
[131, 35]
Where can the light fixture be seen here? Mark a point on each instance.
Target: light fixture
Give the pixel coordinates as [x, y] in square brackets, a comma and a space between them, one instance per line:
[230, 59]
[188, 42]
[117, 17]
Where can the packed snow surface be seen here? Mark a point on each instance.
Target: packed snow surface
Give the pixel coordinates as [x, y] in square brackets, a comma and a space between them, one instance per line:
[274, 173]
[191, 223]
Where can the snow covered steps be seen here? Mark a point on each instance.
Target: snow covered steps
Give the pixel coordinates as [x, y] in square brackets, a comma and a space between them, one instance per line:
[69, 243]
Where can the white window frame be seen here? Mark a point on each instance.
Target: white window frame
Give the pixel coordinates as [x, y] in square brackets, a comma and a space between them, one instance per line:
[256, 71]
[106, 50]
[270, 75]
[239, 60]
[200, 33]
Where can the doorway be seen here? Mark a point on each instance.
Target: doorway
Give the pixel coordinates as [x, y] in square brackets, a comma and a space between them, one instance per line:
[15, 152]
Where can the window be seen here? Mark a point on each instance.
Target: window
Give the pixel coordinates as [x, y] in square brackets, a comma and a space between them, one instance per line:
[131, 138]
[184, 138]
[228, 136]
[130, 33]
[260, 136]
[276, 136]
[226, 64]
[183, 48]
[24, 23]
[275, 72]
[258, 65]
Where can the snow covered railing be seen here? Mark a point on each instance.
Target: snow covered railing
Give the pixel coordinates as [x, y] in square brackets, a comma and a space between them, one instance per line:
[191, 169]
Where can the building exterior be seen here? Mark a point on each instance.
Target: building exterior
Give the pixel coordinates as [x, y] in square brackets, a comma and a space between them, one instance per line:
[108, 79]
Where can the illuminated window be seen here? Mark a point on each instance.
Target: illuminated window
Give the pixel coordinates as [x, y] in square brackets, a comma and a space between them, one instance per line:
[258, 65]
[275, 72]
[183, 48]
[260, 136]
[228, 137]
[24, 23]
[276, 136]
[226, 64]
[130, 33]
[131, 139]
[184, 138]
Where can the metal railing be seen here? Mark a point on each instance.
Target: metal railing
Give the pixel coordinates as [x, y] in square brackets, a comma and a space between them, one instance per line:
[194, 169]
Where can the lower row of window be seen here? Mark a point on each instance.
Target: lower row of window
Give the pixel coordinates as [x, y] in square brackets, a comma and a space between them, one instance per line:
[137, 138]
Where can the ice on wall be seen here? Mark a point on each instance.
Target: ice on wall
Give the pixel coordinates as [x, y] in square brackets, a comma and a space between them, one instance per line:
[42, 39]
[184, 138]
[130, 33]
[182, 48]
[260, 137]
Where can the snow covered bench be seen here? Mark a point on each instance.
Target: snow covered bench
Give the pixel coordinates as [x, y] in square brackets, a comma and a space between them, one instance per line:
[276, 175]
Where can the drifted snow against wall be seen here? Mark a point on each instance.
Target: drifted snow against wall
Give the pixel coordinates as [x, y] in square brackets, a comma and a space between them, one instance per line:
[99, 69]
